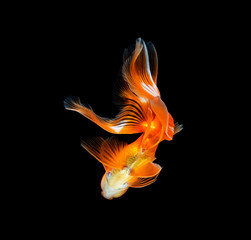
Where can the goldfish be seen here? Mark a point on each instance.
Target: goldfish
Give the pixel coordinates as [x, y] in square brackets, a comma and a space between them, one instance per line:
[143, 110]
[126, 165]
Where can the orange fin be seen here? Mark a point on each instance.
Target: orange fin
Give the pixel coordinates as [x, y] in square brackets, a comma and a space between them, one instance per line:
[146, 170]
[142, 182]
[74, 104]
[93, 146]
[137, 71]
[153, 60]
[160, 109]
[109, 152]
[128, 121]
[130, 118]
[177, 127]
[134, 110]
[122, 92]
[113, 154]
[107, 169]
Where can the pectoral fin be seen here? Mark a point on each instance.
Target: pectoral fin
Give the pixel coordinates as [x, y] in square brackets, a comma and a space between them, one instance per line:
[113, 153]
[109, 152]
[147, 170]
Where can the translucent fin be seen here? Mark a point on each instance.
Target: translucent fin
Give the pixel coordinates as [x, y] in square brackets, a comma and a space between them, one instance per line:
[128, 121]
[122, 92]
[113, 154]
[109, 152]
[142, 182]
[93, 146]
[153, 60]
[147, 170]
[71, 102]
[74, 104]
[130, 118]
[134, 110]
[128, 52]
[177, 127]
[136, 71]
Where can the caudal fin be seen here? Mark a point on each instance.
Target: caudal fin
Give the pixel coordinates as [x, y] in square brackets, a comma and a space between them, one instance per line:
[128, 121]
[74, 104]
[177, 127]
[137, 72]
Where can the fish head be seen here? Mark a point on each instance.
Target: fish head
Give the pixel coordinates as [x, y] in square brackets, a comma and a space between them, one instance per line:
[114, 184]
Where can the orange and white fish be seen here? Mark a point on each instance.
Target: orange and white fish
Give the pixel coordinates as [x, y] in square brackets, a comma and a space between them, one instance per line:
[126, 165]
[143, 110]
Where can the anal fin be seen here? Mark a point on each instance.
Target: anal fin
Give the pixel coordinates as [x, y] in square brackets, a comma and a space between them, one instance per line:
[142, 182]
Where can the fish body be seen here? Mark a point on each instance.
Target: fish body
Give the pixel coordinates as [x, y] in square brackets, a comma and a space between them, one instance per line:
[125, 165]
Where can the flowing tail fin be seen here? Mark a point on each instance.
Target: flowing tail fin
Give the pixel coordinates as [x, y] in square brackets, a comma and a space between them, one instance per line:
[128, 121]
[74, 104]
[137, 71]
[177, 127]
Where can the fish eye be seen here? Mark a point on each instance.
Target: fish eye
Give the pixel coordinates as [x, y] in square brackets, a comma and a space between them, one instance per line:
[108, 174]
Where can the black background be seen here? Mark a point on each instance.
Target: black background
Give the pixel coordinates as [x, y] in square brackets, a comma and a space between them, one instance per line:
[86, 63]
[87, 68]
[80, 55]
[89, 63]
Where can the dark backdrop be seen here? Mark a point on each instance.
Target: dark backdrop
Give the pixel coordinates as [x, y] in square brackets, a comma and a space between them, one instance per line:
[64, 50]
[84, 60]
[87, 66]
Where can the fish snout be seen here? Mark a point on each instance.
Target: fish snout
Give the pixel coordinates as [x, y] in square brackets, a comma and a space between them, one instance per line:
[106, 195]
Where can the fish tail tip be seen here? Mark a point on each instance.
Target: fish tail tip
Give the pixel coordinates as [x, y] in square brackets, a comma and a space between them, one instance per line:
[178, 127]
[139, 40]
[70, 102]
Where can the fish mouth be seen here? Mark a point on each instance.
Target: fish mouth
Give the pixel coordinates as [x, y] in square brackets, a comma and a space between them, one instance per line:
[110, 195]
[106, 196]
